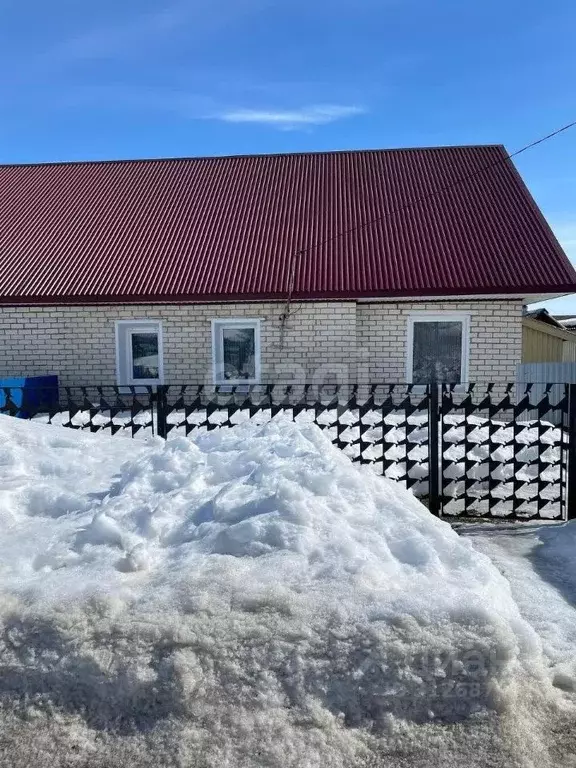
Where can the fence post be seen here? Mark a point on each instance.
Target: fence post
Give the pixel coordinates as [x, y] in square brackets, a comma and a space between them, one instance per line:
[433, 454]
[162, 409]
[571, 495]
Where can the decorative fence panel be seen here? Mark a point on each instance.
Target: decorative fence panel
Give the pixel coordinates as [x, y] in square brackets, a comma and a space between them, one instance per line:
[537, 374]
[387, 427]
[126, 410]
[492, 451]
[496, 462]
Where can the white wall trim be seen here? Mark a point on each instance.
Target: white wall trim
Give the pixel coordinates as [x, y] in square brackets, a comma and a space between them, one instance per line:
[439, 316]
[122, 329]
[531, 299]
[218, 323]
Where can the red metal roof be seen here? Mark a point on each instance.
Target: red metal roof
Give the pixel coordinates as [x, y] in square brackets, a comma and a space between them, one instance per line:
[228, 228]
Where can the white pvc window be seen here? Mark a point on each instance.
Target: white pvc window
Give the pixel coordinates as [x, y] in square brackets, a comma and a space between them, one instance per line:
[139, 352]
[236, 351]
[438, 348]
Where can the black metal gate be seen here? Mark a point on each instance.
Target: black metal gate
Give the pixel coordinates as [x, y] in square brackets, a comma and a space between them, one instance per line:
[506, 453]
[467, 451]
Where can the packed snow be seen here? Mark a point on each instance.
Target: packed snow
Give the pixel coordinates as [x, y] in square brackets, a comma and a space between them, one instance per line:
[249, 597]
[539, 560]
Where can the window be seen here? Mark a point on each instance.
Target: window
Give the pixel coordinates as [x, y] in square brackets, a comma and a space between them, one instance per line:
[236, 351]
[438, 348]
[139, 352]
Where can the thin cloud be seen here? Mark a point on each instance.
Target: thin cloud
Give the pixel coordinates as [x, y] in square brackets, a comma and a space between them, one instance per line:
[319, 114]
[109, 40]
[132, 34]
[192, 105]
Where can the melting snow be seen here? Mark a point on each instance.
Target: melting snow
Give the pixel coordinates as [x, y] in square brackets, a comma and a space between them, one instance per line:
[246, 598]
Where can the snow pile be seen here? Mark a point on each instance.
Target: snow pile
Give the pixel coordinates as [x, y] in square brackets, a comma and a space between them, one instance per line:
[249, 597]
[396, 443]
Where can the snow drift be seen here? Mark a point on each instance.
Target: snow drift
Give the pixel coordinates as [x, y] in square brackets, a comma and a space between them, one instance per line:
[249, 597]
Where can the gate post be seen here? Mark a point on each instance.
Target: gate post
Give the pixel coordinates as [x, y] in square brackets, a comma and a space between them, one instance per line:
[433, 454]
[571, 490]
[161, 403]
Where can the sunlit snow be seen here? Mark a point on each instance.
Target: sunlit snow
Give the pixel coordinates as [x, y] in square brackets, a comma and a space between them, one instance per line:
[246, 598]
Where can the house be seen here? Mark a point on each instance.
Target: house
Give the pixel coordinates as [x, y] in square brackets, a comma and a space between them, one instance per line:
[383, 266]
[548, 357]
[568, 322]
[546, 340]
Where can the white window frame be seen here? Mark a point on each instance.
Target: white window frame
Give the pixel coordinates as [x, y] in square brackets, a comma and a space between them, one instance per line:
[124, 363]
[439, 317]
[218, 325]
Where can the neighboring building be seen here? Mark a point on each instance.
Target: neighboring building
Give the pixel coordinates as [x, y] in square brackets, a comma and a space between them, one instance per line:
[568, 322]
[382, 266]
[546, 340]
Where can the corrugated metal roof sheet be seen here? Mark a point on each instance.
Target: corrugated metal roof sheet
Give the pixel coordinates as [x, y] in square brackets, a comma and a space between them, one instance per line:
[228, 228]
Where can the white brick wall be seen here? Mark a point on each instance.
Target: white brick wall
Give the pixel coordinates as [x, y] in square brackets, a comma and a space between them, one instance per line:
[495, 337]
[322, 340]
[78, 343]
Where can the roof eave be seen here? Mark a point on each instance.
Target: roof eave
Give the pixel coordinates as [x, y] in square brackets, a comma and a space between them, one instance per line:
[529, 294]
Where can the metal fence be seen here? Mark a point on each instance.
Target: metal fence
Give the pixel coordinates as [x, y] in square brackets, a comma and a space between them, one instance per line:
[496, 450]
[537, 374]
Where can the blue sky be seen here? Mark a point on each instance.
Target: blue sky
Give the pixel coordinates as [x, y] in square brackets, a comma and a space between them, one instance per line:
[145, 78]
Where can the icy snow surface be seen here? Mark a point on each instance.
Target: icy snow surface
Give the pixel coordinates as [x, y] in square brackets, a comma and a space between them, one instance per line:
[247, 598]
[539, 561]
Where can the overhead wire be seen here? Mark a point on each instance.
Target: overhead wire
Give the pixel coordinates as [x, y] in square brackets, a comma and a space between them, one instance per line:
[363, 225]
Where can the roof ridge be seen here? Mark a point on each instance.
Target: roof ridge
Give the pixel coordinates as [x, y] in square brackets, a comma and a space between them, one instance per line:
[314, 153]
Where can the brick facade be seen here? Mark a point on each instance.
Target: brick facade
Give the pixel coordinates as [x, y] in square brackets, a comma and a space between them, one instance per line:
[495, 337]
[321, 341]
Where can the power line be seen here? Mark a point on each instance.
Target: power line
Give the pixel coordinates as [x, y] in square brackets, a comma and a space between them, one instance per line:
[544, 138]
[364, 225]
